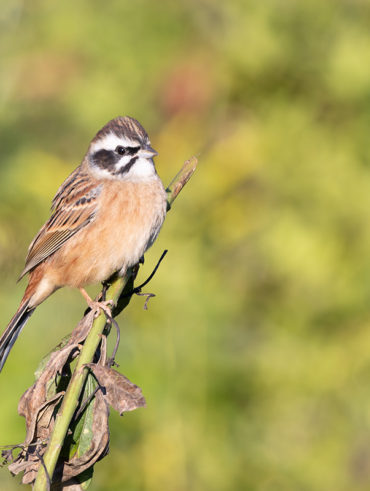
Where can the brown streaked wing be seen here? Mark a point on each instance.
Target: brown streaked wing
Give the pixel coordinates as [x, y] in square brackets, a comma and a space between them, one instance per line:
[74, 206]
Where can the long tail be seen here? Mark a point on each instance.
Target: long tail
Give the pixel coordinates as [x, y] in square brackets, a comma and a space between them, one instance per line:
[15, 326]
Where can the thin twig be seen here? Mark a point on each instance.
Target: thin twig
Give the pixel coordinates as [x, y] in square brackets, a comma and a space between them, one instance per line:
[179, 181]
[148, 297]
[110, 361]
[86, 402]
[137, 289]
[48, 480]
[23, 446]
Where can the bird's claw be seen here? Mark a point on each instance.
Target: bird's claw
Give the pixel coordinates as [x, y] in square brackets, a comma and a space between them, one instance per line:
[105, 306]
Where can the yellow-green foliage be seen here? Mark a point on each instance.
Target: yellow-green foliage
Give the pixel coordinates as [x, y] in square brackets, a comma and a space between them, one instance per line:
[255, 355]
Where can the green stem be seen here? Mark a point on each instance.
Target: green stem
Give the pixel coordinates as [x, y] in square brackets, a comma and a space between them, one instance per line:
[179, 181]
[71, 398]
[72, 395]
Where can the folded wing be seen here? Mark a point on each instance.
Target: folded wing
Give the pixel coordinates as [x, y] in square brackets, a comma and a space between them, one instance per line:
[73, 208]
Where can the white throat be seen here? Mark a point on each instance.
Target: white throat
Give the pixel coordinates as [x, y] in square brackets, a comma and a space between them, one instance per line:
[142, 170]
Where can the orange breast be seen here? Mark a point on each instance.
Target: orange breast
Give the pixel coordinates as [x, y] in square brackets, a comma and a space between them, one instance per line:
[129, 217]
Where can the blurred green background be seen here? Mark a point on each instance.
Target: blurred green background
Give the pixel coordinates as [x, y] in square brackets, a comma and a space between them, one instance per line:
[255, 355]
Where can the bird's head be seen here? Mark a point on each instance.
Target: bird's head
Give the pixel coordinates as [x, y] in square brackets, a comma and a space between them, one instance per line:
[121, 150]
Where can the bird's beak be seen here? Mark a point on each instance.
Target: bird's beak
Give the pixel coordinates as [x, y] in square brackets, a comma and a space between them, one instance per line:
[147, 152]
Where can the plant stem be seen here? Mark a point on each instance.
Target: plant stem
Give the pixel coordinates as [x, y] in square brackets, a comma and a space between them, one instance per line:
[72, 395]
[70, 400]
[179, 181]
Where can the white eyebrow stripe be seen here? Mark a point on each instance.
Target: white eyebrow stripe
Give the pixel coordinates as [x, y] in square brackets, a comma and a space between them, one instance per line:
[111, 141]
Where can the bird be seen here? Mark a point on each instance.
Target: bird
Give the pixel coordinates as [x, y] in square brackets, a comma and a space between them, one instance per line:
[104, 217]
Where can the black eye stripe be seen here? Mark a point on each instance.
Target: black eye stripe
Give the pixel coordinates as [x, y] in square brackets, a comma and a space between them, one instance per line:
[133, 150]
[126, 150]
[105, 158]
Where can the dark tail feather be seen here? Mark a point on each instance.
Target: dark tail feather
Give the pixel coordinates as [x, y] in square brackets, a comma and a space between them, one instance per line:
[13, 330]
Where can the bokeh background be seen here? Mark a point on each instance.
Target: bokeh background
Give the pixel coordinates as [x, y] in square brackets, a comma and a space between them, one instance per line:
[254, 356]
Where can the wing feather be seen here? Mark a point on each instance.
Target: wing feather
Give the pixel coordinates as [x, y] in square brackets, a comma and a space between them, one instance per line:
[73, 207]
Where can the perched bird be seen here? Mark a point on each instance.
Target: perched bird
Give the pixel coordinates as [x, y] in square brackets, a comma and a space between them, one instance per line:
[105, 215]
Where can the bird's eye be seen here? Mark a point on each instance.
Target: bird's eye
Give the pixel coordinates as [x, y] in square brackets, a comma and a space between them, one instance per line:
[120, 150]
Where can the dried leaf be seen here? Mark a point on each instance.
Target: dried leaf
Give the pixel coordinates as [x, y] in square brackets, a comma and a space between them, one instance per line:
[69, 487]
[39, 394]
[119, 391]
[38, 404]
[43, 423]
[77, 336]
[82, 430]
[98, 443]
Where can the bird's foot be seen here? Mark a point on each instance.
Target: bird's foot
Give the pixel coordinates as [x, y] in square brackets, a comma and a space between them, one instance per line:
[105, 306]
[95, 306]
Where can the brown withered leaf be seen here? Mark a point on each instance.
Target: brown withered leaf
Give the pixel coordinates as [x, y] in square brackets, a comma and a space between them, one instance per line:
[77, 336]
[71, 485]
[48, 381]
[97, 437]
[45, 420]
[81, 331]
[36, 396]
[27, 464]
[38, 404]
[43, 423]
[118, 390]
